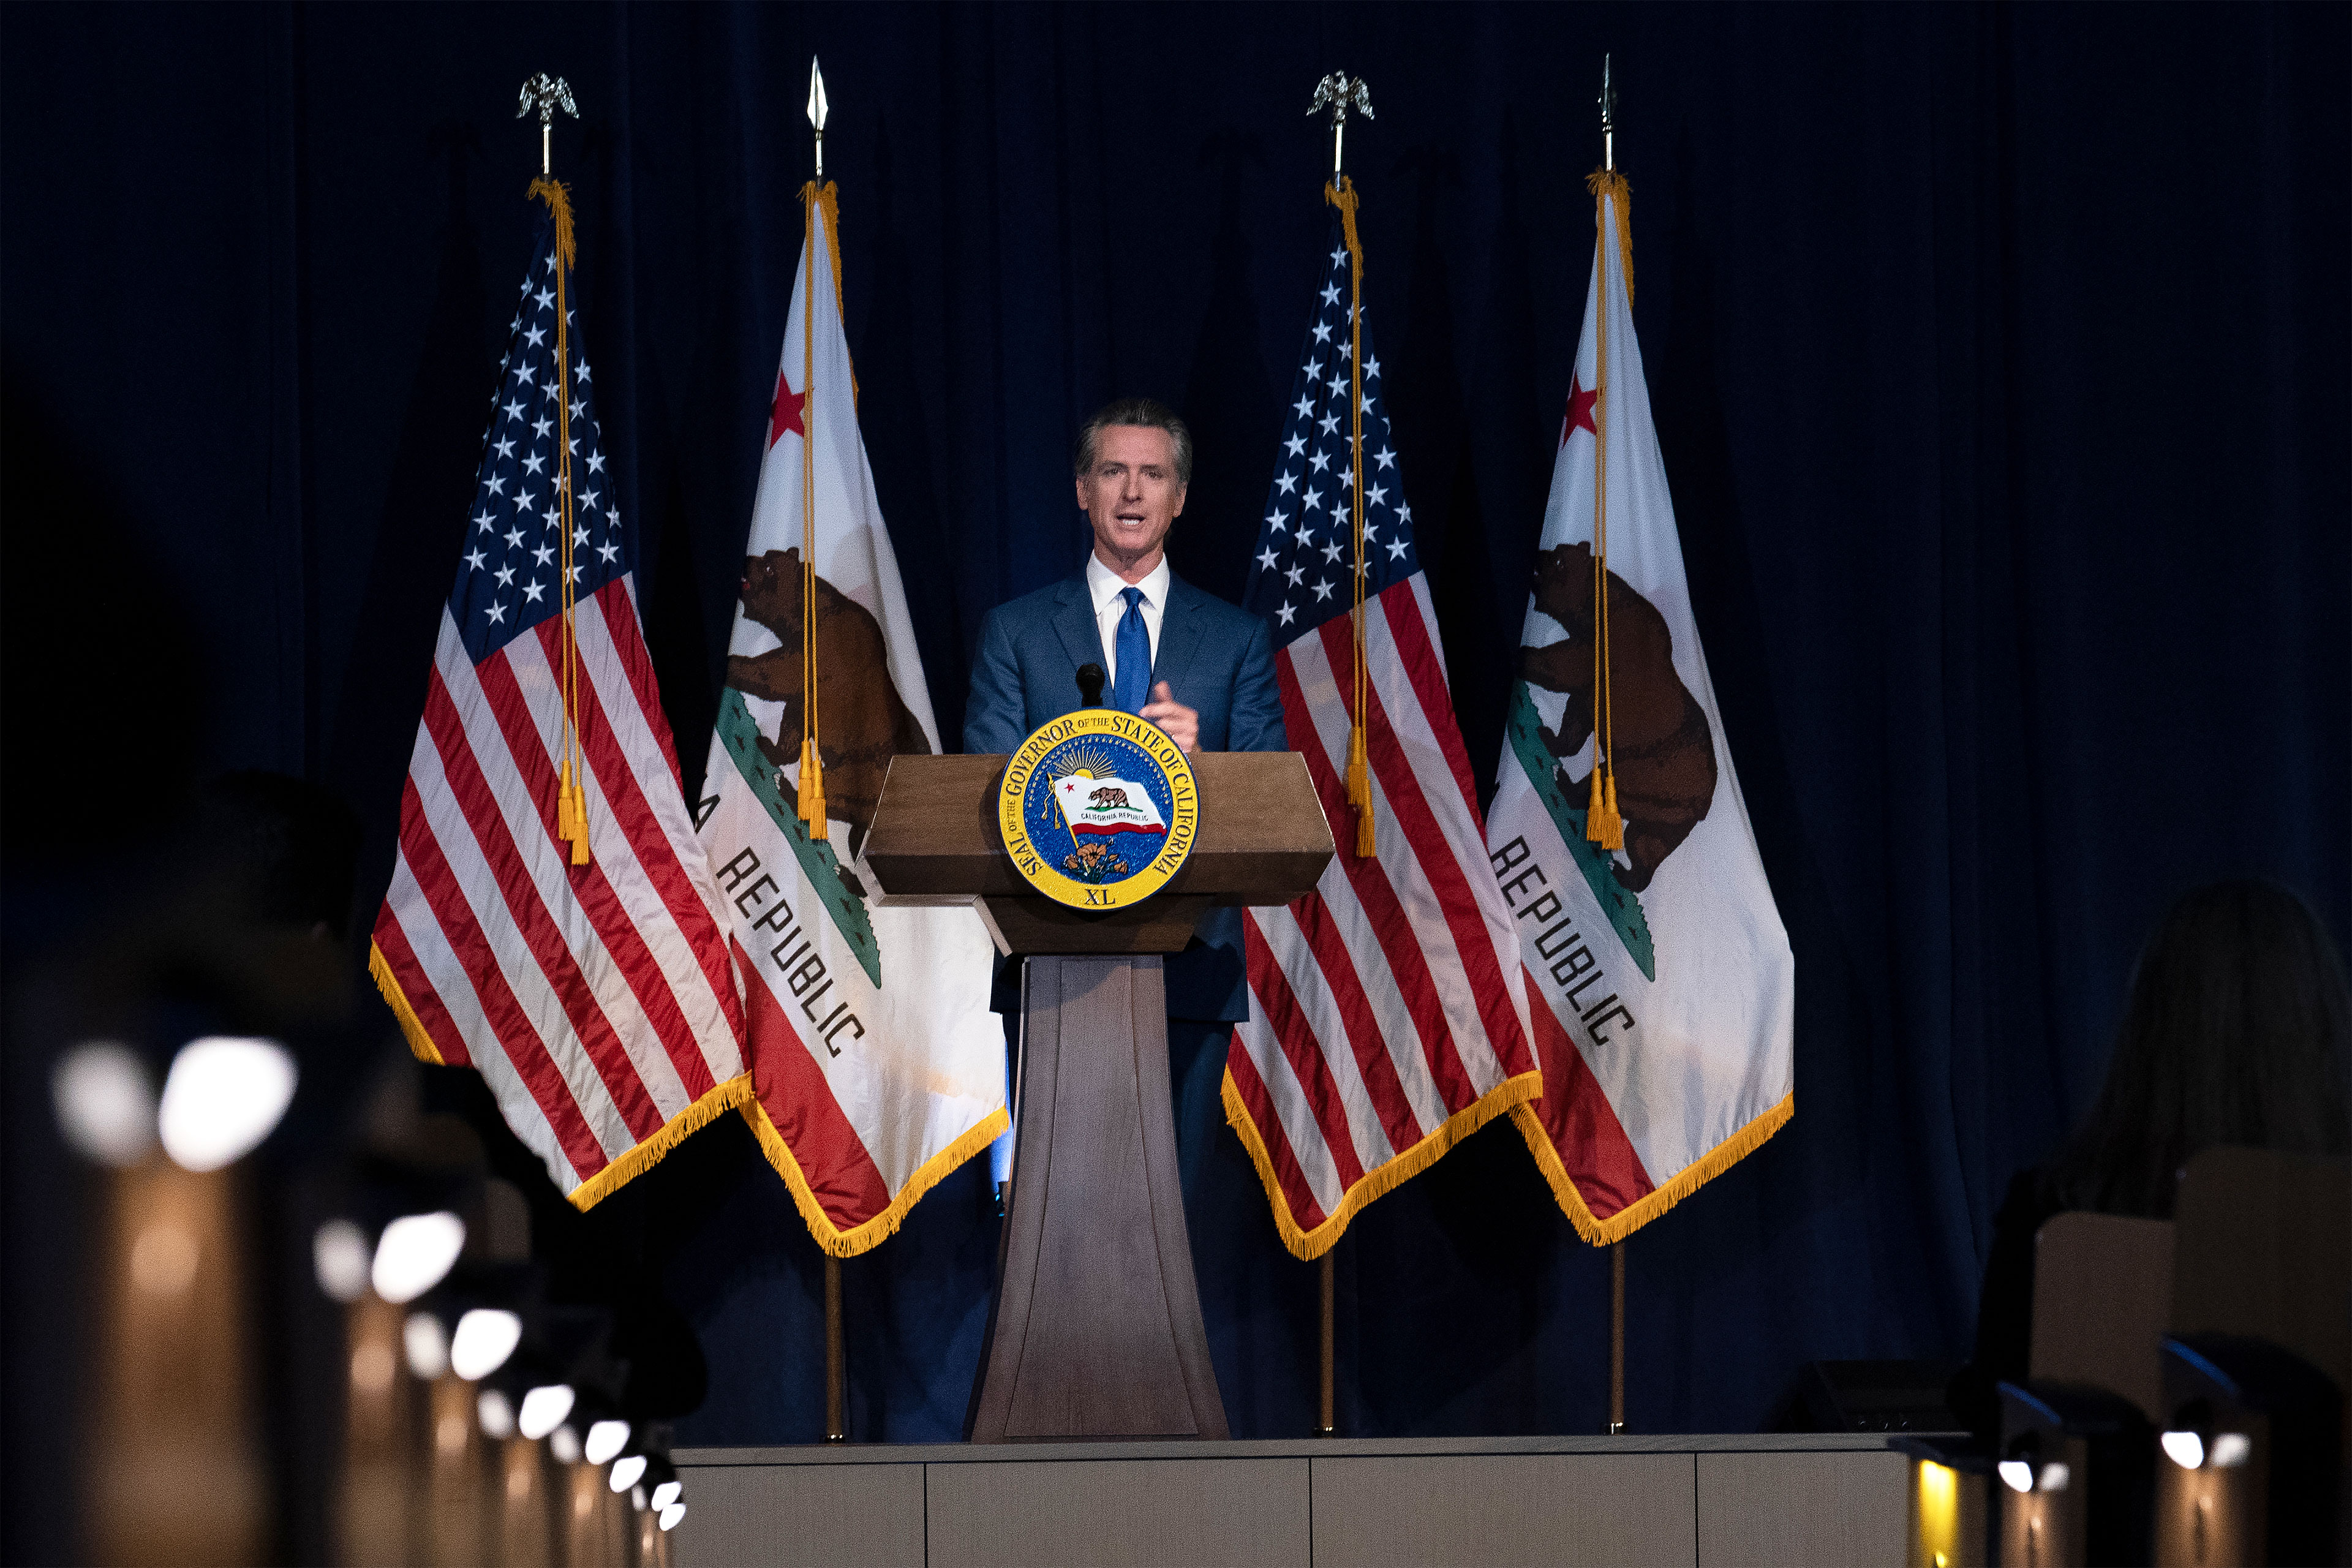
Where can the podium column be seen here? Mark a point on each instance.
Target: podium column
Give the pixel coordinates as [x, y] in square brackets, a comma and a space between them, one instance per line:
[1097, 1329]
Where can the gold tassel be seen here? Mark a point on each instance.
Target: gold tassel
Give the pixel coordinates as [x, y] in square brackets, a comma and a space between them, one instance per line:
[1360, 790]
[1596, 810]
[565, 825]
[1613, 826]
[578, 825]
[811, 805]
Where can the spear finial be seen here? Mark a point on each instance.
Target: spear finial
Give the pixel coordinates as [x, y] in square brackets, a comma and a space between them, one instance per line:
[817, 113]
[1608, 118]
[547, 94]
[1342, 92]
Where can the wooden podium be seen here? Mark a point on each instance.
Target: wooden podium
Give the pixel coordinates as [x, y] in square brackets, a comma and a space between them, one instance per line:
[1096, 1327]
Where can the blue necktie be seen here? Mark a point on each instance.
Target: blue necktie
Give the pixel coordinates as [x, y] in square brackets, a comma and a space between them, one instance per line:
[1133, 682]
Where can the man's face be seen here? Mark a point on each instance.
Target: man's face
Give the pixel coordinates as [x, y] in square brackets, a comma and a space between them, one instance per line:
[1131, 495]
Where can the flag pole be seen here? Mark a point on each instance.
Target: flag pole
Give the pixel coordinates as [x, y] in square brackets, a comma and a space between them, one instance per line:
[812, 808]
[812, 811]
[1617, 1249]
[1340, 93]
[1616, 1338]
[547, 94]
[1343, 93]
[1328, 1423]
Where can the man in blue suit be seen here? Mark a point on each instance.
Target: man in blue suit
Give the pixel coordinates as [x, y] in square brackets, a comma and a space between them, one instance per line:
[1198, 668]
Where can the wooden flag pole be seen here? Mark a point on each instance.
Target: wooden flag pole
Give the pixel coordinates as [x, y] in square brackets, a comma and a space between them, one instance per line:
[1616, 1338]
[1617, 1250]
[1328, 1422]
[836, 1381]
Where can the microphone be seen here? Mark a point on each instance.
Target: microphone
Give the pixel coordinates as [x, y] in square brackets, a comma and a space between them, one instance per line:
[1090, 685]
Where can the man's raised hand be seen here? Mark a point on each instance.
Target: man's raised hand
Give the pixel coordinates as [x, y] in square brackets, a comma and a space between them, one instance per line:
[1183, 724]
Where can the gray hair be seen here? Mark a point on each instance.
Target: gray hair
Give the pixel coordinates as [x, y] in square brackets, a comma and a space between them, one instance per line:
[1141, 411]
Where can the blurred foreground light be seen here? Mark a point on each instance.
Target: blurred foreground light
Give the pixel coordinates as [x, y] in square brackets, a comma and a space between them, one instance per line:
[672, 1514]
[543, 1409]
[486, 1337]
[564, 1443]
[339, 1256]
[626, 1472]
[2232, 1449]
[2186, 1450]
[105, 1102]
[221, 1098]
[413, 1252]
[2054, 1477]
[2017, 1475]
[163, 1259]
[665, 1494]
[606, 1439]
[497, 1415]
[428, 1344]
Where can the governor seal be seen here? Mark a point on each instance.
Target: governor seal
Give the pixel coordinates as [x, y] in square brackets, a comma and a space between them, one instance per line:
[1099, 809]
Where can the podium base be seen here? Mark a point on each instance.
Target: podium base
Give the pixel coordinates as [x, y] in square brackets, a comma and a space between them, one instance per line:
[1096, 1331]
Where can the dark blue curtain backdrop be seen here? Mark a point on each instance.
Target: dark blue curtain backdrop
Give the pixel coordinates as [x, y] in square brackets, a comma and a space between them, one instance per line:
[1999, 358]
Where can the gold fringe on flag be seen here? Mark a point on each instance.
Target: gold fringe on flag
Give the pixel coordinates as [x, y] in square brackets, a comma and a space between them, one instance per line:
[1341, 193]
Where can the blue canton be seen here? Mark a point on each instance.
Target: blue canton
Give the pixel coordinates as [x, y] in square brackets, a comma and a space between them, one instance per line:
[1306, 549]
[509, 579]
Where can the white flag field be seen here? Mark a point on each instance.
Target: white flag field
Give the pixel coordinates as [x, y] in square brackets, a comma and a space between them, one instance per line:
[1660, 981]
[876, 1065]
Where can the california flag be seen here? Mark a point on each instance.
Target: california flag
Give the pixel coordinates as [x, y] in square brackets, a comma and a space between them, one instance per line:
[1659, 976]
[877, 1067]
[1104, 806]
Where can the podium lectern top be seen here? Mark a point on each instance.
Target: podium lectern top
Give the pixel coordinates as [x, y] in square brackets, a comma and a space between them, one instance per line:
[935, 840]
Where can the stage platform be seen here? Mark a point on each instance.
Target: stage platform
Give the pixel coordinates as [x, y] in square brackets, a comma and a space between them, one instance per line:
[1815, 1499]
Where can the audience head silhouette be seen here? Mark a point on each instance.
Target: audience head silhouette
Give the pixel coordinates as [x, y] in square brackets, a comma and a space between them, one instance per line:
[2237, 1029]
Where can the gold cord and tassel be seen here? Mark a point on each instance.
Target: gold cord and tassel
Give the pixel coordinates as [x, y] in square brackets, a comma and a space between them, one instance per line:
[1341, 193]
[1602, 824]
[811, 788]
[572, 770]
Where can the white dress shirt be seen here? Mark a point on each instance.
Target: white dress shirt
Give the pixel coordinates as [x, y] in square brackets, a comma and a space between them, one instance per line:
[1110, 608]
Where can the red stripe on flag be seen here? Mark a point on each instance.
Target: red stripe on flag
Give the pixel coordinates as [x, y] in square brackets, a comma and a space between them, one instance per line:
[663, 866]
[1371, 1048]
[1305, 1212]
[799, 1104]
[1436, 857]
[613, 925]
[1296, 1035]
[657, 855]
[1577, 1117]
[1401, 607]
[525, 1051]
[417, 990]
[541, 938]
[637, 663]
[1400, 943]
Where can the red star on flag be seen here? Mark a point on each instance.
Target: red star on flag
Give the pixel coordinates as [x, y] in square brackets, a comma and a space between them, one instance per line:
[1579, 409]
[789, 412]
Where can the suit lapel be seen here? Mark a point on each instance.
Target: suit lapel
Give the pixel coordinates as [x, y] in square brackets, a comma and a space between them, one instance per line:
[1180, 637]
[1074, 621]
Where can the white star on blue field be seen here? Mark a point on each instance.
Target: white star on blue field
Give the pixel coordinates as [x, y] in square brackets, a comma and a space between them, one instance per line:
[509, 579]
[1305, 545]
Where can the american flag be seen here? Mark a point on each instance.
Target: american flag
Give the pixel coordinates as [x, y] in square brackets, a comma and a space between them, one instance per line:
[1387, 1009]
[597, 1000]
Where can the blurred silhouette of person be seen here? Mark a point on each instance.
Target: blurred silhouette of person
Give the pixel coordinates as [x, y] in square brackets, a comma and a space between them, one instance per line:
[2237, 1029]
